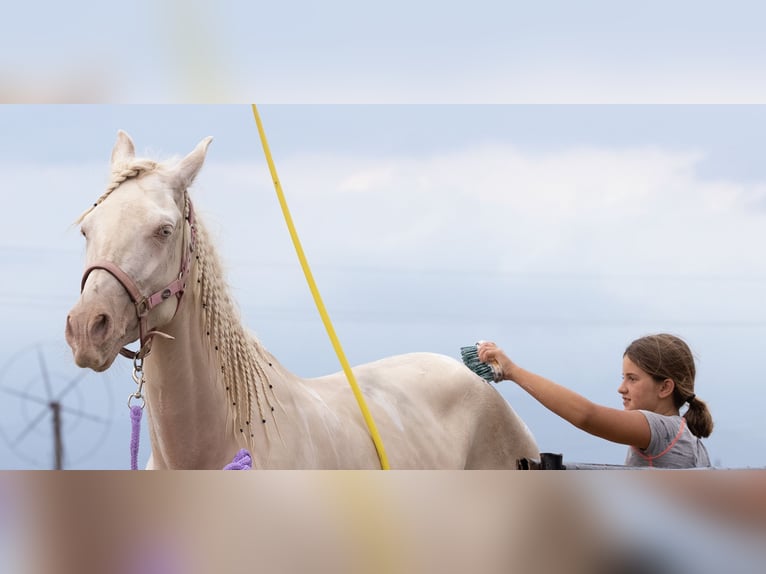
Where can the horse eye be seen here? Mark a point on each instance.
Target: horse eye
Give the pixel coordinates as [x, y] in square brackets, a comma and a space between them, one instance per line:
[165, 231]
[83, 233]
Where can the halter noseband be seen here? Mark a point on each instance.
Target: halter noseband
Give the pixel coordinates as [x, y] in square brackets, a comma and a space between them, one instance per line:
[145, 304]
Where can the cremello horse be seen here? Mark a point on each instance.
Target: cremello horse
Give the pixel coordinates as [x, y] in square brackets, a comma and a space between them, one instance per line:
[212, 388]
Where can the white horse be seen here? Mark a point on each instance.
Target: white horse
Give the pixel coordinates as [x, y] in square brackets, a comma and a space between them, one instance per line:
[212, 388]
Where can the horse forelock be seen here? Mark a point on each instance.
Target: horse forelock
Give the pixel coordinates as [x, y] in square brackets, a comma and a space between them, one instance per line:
[120, 174]
[238, 356]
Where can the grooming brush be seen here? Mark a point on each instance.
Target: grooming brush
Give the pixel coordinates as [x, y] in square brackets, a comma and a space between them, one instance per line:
[487, 371]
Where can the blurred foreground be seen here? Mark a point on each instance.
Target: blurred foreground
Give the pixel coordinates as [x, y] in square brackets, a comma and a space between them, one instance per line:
[369, 522]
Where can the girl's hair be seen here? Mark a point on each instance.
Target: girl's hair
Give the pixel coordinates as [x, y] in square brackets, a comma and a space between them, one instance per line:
[666, 356]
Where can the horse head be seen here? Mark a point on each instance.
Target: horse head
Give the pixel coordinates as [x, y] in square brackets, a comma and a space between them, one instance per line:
[139, 238]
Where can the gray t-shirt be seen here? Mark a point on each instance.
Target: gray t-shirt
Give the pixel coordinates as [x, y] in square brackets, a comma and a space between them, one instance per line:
[672, 445]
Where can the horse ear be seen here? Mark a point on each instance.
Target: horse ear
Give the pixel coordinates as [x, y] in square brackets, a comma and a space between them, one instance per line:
[188, 168]
[123, 150]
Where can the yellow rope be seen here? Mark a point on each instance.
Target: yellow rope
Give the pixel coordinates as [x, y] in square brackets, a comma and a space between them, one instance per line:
[318, 299]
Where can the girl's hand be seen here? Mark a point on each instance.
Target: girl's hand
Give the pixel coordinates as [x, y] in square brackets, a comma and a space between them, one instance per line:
[490, 353]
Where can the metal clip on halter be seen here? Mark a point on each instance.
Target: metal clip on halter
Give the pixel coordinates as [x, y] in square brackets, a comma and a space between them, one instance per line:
[138, 378]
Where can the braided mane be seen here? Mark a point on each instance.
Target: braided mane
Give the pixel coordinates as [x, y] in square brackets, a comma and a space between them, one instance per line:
[239, 355]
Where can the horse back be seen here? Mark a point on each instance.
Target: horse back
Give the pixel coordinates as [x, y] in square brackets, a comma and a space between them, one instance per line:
[433, 412]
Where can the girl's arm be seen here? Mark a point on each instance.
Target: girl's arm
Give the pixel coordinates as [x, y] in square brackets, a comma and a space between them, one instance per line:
[624, 427]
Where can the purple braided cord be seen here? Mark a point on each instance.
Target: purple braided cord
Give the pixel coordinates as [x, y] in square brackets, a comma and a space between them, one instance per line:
[135, 433]
[242, 461]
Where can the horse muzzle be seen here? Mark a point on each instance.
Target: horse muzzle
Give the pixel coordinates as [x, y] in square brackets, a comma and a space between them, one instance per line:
[96, 335]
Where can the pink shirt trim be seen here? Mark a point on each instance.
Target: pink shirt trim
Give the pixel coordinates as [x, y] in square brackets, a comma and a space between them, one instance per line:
[651, 459]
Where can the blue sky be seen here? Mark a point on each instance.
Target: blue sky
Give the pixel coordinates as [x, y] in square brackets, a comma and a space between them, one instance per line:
[561, 232]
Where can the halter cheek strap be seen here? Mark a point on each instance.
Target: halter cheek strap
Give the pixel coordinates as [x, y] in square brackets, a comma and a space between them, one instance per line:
[145, 304]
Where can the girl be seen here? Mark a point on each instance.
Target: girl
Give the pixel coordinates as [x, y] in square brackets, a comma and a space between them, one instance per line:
[657, 379]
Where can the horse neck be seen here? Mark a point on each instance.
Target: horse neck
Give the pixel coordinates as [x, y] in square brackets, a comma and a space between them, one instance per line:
[183, 400]
[210, 390]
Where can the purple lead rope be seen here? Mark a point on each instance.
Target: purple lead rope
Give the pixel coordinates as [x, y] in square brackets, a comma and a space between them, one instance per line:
[135, 434]
[242, 460]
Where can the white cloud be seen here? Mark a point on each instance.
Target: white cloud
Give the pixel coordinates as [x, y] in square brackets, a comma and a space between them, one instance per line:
[635, 226]
[643, 210]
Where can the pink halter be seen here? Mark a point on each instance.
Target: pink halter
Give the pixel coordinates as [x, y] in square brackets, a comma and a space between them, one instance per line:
[145, 304]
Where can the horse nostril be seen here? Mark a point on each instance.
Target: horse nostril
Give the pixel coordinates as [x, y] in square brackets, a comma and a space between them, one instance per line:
[100, 327]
